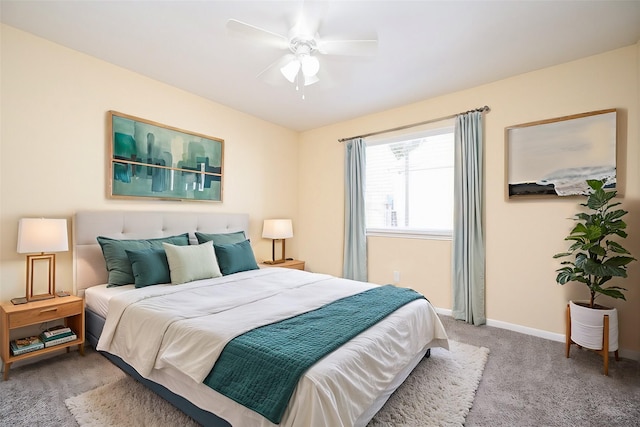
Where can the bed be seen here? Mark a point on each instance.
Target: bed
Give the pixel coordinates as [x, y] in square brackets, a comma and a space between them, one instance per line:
[344, 387]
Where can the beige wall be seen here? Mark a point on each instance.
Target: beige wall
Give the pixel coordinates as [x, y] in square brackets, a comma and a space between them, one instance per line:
[521, 236]
[53, 158]
[53, 162]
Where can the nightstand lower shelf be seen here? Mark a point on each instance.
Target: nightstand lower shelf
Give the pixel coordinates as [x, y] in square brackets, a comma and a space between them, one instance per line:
[69, 309]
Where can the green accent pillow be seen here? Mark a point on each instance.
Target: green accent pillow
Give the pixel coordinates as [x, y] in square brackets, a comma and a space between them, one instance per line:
[235, 257]
[150, 267]
[222, 238]
[189, 263]
[115, 255]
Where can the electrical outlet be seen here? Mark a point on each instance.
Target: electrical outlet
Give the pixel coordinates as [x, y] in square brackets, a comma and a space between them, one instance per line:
[396, 277]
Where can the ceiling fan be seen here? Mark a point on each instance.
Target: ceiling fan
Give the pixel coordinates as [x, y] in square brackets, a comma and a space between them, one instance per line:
[301, 64]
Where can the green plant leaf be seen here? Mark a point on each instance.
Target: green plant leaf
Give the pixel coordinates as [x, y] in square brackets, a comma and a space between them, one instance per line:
[621, 233]
[601, 281]
[595, 184]
[603, 270]
[594, 232]
[599, 198]
[616, 247]
[576, 245]
[563, 254]
[583, 216]
[618, 261]
[614, 215]
[579, 228]
[616, 225]
[564, 276]
[613, 293]
[581, 240]
[617, 287]
[581, 259]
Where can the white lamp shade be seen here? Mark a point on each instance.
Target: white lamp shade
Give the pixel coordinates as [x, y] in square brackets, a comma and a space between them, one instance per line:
[309, 80]
[277, 229]
[290, 71]
[310, 65]
[42, 235]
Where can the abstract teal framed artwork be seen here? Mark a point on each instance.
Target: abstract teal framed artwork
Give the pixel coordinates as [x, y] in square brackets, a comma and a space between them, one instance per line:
[151, 160]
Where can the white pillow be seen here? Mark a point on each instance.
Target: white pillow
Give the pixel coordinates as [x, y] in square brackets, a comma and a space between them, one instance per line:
[189, 263]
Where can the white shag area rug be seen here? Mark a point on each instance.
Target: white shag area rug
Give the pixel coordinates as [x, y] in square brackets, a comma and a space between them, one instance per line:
[439, 392]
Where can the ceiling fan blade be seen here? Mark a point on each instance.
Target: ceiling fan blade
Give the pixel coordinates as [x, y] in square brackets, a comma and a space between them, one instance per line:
[348, 47]
[272, 74]
[325, 77]
[242, 29]
[308, 19]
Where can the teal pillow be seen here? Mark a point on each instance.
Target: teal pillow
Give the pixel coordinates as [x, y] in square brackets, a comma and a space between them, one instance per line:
[115, 255]
[149, 266]
[221, 238]
[235, 257]
[189, 263]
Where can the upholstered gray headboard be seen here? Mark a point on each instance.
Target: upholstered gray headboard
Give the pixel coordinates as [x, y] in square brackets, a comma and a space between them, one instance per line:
[88, 263]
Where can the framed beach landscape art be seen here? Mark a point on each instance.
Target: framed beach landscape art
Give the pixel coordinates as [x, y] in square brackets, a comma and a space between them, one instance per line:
[556, 157]
[151, 160]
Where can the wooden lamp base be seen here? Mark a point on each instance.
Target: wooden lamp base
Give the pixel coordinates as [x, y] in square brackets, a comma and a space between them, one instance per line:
[273, 253]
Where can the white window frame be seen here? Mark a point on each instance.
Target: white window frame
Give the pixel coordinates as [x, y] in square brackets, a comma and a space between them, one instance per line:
[433, 129]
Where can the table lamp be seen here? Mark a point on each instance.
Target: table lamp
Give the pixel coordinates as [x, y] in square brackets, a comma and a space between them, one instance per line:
[41, 236]
[277, 229]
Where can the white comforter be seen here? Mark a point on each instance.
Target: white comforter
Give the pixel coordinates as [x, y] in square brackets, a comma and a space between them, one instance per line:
[185, 327]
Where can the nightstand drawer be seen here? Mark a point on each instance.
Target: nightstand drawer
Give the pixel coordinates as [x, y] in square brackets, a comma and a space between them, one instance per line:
[44, 314]
[294, 264]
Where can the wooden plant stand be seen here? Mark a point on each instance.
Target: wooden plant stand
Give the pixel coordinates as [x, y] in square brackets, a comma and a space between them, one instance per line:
[604, 352]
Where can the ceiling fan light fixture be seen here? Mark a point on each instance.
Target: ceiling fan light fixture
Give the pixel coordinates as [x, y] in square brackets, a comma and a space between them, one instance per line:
[290, 71]
[301, 65]
[309, 80]
[310, 65]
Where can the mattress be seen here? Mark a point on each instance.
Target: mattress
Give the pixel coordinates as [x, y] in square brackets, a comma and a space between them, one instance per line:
[308, 407]
[97, 297]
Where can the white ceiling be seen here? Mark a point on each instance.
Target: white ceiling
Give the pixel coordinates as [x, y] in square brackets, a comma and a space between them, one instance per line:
[425, 48]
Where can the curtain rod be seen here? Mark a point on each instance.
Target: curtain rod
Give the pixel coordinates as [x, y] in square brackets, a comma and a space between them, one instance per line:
[480, 110]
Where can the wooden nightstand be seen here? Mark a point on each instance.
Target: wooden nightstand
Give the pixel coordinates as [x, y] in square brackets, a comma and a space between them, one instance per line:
[70, 309]
[293, 263]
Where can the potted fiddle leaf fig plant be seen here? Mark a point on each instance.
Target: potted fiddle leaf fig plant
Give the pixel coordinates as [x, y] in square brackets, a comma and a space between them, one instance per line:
[595, 259]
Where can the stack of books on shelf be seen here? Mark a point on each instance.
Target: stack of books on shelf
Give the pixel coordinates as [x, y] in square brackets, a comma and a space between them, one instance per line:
[57, 335]
[26, 345]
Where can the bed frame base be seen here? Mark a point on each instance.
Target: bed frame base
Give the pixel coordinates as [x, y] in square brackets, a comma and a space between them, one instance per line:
[94, 326]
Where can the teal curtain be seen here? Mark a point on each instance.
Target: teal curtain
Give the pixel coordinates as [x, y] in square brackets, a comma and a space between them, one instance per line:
[468, 241]
[355, 238]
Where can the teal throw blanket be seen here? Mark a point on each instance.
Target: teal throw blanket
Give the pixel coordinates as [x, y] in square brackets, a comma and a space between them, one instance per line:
[261, 368]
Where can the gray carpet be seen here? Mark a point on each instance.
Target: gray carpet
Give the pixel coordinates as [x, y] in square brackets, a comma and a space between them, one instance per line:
[527, 382]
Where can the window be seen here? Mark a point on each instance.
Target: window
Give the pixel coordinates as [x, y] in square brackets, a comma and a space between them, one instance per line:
[409, 184]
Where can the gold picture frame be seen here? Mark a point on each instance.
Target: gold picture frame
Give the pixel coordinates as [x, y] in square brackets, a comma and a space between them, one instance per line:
[555, 157]
[154, 161]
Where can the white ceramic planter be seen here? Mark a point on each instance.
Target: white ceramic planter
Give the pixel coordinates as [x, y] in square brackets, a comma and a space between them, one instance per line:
[587, 326]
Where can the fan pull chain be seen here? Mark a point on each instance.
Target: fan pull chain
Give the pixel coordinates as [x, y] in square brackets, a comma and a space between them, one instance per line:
[298, 85]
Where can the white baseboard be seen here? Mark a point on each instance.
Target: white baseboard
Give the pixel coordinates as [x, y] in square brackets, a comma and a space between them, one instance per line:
[526, 330]
[627, 354]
